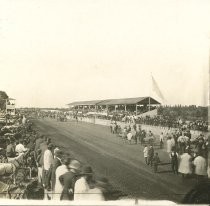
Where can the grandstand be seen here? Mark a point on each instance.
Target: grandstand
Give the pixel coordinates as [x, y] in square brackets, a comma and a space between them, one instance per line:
[137, 104]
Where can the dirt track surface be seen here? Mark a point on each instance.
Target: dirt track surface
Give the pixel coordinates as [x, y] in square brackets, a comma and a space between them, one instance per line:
[121, 163]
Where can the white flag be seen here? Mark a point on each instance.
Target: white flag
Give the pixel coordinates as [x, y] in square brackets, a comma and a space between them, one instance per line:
[156, 89]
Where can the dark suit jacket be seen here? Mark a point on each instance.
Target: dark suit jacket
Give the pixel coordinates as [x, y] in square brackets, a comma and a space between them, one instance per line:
[56, 163]
[68, 181]
[43, 147]
[37, 143]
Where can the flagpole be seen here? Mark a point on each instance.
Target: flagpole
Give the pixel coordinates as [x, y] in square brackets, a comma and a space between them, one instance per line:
[150, 90]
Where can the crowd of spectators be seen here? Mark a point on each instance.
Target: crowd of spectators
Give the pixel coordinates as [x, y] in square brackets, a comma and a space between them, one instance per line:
[40, 169]
[188, 156]
[166, 121]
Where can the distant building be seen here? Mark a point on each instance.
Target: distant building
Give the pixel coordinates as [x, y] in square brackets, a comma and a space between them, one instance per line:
[10, 106]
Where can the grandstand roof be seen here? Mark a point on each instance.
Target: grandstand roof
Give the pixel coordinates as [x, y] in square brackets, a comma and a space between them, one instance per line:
[78, 103]
[137, 100]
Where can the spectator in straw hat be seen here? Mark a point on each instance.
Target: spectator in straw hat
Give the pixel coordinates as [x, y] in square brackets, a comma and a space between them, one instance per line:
[82, 185]
[68, 180]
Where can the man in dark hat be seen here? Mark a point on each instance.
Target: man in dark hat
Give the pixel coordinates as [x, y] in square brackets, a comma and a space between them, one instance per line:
[68, 180]
[150, 155]
[83, 184]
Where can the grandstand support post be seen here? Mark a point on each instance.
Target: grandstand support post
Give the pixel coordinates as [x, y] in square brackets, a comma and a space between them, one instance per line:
[136, 109]
[149, 104]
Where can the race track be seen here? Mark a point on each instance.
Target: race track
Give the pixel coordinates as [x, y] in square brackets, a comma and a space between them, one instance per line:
[121, 163]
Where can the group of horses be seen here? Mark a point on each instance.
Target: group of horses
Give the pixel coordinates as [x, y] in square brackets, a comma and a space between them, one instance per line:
[17, 175]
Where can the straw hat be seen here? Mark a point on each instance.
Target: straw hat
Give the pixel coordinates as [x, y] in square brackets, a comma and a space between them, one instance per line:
[75, 164]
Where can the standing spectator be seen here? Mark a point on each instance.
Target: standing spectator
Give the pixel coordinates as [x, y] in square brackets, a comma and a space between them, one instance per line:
[133, 131]
[143, 135]
[161, 140]
[151, 137]
[169, 145]
[56, 163]
[145, 151]
[174, 161]
[48, 161]
[24, 120]
[68, 180]
[10, 150]
[129, 137]
[200, 167]
[208, 170]
[156, 161]
[111, 126]
[138, 131]
[181, 143]
[150, 155]
[43, 147]
[39, 166]
[38, 141]
[185, 166]
[124, 134]
[65, 161]
[82, 185]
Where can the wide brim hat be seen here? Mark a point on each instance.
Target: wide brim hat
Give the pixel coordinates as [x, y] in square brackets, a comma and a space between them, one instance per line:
[75, 164]
[87, 170]
[50, 146]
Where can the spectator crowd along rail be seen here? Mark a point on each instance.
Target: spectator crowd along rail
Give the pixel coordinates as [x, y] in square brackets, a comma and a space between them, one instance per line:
[33, 167]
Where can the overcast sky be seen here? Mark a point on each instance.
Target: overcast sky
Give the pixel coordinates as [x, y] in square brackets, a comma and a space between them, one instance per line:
[53, 52]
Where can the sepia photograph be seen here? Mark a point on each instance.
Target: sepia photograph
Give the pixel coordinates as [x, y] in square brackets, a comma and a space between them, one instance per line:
[104, 102]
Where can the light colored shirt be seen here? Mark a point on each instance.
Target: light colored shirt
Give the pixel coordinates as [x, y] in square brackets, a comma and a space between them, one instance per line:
[185, 164]
[58, 186]
[81, 189]
[200, 166]
[129, 136]
[169, 145]
[48, 159]
[145, 152]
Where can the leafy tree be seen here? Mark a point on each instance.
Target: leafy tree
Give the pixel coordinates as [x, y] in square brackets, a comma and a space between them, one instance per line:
[3, 97]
